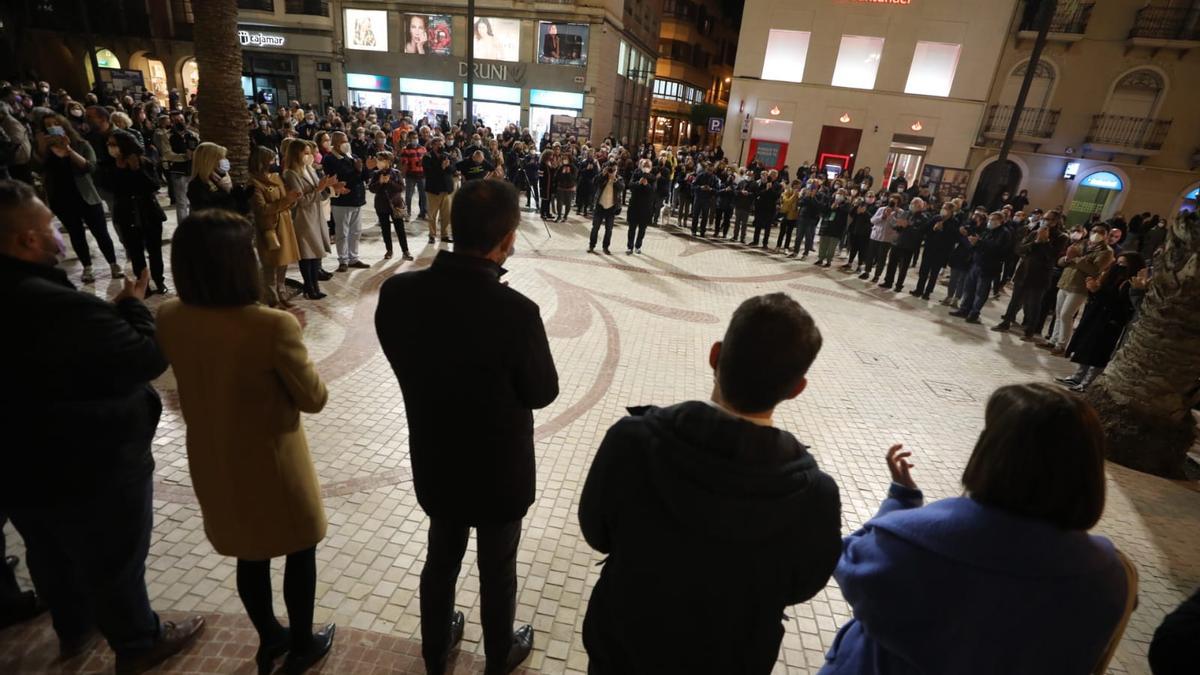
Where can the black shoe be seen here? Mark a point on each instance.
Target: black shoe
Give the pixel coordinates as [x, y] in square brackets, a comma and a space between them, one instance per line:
[322, 275]
[883, 285]
[1002, 326]
[266, 655]
[1068, 381]
[174, 637]
[447, 240]
[607, 252]
[322, 641]
[522, 646]
[591, 249]
[359, 265]
[897, 289]
[973, 319]
[160, 288]
[432, 240]
[925, 296]
[315, 295]
[959, 313]
[864, 276]
[69, 649]
[915, 293]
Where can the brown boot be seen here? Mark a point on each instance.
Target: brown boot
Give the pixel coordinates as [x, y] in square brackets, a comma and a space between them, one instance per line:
[174, 637]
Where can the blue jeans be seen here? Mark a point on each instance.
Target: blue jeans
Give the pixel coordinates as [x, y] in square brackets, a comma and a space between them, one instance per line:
[957, 277]
[87, 558]
[975, 290]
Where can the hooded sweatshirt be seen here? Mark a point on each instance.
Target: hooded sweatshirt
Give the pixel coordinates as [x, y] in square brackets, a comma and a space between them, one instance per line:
[713, 526]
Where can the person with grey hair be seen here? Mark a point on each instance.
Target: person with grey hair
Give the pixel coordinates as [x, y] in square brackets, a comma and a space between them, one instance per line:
[912, 226]
[347, 206]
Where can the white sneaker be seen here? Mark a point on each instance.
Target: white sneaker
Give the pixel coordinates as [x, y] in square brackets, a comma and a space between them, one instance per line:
[88, 277]
[117, 272]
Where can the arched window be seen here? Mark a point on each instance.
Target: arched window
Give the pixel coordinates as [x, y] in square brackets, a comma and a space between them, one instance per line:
[190, 78]
[1040, 90]
[1137, 94]
[105, 58]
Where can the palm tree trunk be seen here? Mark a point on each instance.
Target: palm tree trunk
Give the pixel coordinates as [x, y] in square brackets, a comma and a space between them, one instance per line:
[1145, 396]
[224, 119]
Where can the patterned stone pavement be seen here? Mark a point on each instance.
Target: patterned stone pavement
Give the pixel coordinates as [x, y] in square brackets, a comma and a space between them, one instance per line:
[624, 331]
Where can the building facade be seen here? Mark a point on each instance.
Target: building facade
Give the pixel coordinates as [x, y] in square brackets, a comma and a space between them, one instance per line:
[1110, 122]
[587, 61]
[849, 84]
[696, 50]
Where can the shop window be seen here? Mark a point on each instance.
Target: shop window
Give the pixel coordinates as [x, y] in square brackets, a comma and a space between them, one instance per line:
[932, 71]
[858, 61]
[307, 7]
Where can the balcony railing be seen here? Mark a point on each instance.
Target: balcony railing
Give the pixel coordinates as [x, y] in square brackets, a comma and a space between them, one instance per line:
[1033, 123]
[1167, 23]
[1134, 133]
[1068, 19]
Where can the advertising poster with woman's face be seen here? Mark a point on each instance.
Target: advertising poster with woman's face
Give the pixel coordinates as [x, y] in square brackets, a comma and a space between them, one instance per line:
[366, 29]
[497, 39]
[562, 44]
[427, 34]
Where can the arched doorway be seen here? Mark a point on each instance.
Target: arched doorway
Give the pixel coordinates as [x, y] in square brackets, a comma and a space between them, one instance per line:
[154, 74]
[995, 179]
[1098, 192]
[105, 58]
[189, 75]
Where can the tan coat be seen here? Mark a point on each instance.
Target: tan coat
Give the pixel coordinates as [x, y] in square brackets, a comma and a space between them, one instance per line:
[308, 217]
[244, 377]
[270, 215]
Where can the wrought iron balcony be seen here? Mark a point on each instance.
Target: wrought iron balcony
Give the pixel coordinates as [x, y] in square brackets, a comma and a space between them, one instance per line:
[1127, 135]
[1167, 23]
[1068, 20]
[1033, 124]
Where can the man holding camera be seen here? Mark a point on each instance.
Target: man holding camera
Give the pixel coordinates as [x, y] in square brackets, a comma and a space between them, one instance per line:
[608, 204]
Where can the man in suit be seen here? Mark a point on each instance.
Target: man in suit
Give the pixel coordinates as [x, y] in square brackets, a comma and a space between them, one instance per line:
[470, 418]
[76, 469]
[710, 513]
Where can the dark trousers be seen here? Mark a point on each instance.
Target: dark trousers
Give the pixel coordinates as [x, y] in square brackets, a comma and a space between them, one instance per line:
[534, 188]
[931, 268]
[88, 562]
[547, 197]
[605, 217]
[1010, 267]
[877, 255]
[762, 226]
[721, 228]
[975, 290]
[784, 240]
[310, 269]
[497, 561]
[636, 234]
[701, 212]
[299, 594]
[858, 248]
[897, 268]
[386, 222]
[1026, 298]
[143, 241]
[412, 182]
[741, 219]
[808, 230]
[74, 218]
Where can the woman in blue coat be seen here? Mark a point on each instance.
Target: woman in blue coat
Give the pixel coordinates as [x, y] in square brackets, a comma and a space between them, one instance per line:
[1004, 579]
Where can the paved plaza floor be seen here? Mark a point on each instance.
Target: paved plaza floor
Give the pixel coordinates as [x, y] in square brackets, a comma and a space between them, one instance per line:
[625, 330]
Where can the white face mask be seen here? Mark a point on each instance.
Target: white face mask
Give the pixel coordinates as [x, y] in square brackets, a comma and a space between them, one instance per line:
[1096, 238]
[1076, 236]
[994, 224]
[223, 165]
[344, 148]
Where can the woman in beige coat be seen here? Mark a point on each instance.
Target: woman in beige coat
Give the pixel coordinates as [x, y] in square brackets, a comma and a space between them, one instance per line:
[244, 377]
[308, 221]
[276, 241]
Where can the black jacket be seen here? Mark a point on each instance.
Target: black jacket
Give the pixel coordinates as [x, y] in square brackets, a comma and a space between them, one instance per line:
[993, 246]
[641, 202]
[836, 218]
[766, 201]
[1039, 258]
[438, 181]
[713, 526]
[913, 234]
[470, 417]
[77, 408]
[348, 170]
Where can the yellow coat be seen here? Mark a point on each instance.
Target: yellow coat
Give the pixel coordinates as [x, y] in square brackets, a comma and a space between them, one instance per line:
[270, 215]
[244, 377]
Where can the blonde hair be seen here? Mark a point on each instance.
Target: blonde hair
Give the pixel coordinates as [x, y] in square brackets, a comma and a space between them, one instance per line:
[120, 120]
[205, 158]
[293, 154]
[283, 146]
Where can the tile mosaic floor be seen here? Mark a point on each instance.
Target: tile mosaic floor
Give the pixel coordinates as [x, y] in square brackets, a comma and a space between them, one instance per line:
[624, 330]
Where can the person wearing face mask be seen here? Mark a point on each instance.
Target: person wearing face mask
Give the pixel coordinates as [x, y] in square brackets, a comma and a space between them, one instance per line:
[859, 235]
[387, 184]
[766, 204]
[987, 258]
[1039, 250]
[511, 373]
[308, 128]
[136, 213]
[347, 206]
[412, 158]
[265, 136]
[68, 164]
[1108, 310]
[77, 378]
[181, 143]
[211, 186]
[1084, 259]
[309, 219]
[275, 236]
[912, 226]
[883, 236]
[833, 228]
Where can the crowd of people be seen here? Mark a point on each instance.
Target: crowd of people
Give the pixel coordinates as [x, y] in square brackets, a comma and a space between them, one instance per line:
[705, 494]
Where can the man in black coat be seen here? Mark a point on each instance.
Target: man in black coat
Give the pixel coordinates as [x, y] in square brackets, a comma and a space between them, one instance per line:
[1039, 251]
[607, 200]
[470, 418]
[766, 206]
[714, 520]
[76, 467]
[912, 226]
[704, 194]
[439, 185]
[988, 250]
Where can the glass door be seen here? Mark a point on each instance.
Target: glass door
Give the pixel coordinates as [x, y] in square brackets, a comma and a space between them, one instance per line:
[907, 160]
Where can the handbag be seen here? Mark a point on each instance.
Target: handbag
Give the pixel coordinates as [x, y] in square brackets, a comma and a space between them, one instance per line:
[271, 238]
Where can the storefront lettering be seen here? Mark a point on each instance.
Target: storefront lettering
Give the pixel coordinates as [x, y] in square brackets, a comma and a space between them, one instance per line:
[259, 39]
[495, 72]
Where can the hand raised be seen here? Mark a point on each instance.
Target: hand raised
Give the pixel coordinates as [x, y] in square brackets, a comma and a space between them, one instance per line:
[135, 289]
[898, 464]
